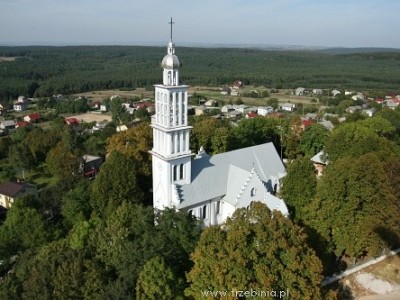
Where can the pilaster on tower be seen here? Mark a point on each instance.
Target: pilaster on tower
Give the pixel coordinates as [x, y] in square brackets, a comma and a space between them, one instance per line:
[171, 155]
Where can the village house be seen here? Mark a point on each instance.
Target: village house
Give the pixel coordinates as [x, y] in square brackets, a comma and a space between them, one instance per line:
[32, 118]
[10, 191]
[226, 90]
[306, 123]
[238, 84]
[264, 110]
[71, 121]
[311, 116]
[90, 165]
[392, 103]
[21, 124]
[251, 115]
[2, 109]
[369, 112]
[210, 103]
[300, 91]
[288, 107]
[317, 92]
[8, 125]
[353, 109]
[335, 93]
[327, 124]
[358, 96]
[200, 110]
[21, 104]
[319, 161]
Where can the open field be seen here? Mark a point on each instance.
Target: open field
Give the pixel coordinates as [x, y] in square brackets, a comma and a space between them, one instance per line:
[103, 94]
[92, 117]
[7, 58]
[283, 96]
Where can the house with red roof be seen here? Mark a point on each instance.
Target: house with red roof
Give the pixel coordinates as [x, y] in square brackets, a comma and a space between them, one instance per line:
[393, 103]
[71, 121]
[32, 118]
[251, 115]
[22, 124]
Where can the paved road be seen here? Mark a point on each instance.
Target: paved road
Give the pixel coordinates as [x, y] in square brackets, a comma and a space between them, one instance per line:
[392, 296]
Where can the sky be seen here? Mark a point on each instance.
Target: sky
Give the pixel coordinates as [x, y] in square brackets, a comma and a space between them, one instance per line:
[316, 23]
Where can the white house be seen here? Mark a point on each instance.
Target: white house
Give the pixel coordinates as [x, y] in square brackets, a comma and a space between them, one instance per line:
[335, 93]
[300, 91]
[21, 104]
[11, 190]
[317, 91]
[209, 187]
[288, 107]
[263, 111]
[358, 96]
[369, 112]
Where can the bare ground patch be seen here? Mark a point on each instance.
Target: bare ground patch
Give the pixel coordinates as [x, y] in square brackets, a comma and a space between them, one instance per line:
[104, 94]
[92, 117]
[384, 273]
[7, 58]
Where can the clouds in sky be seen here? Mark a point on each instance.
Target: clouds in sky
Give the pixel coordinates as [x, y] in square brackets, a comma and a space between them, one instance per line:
[351, 23]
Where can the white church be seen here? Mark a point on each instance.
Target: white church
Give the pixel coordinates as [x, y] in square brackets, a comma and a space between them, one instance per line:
[209, 187]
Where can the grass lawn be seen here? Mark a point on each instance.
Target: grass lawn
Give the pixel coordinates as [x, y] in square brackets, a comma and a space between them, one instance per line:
[40, 178]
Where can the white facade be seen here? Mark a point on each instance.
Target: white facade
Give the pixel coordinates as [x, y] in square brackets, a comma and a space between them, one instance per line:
[263, 111]
[209, 187]
[171, 155]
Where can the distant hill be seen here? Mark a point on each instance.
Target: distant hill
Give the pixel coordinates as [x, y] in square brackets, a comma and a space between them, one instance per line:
[357, 50]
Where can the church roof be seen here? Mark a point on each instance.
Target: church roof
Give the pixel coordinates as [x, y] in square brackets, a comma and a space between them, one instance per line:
[213, 175]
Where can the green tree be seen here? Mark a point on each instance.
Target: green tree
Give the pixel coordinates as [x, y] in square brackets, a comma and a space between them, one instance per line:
[221, 140]
[255, 250]
[136, 144]
[117, 109]
[158, 281]
[115, 183]
[251, 132]
[76, 205]
[62, 161]
[354, 198]
[57, 271]
[200, 135]
[273, 102]
[299, 187]
[313, 139]
[360, 137]
[24, 228]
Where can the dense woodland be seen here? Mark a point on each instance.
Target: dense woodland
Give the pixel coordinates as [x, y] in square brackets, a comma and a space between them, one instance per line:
[83, 239]
[101, 239]
[44, 71]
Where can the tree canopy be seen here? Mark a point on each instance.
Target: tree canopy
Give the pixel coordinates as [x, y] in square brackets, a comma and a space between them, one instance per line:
[256, 250]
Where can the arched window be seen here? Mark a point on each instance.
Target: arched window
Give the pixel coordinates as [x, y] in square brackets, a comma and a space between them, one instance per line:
[169, 77]
[253, 192]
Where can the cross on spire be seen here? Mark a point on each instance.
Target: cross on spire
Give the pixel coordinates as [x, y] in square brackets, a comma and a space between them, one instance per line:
[171, 22]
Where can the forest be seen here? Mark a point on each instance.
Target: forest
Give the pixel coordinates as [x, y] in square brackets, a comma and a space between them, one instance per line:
[39, 71]
[101, 239]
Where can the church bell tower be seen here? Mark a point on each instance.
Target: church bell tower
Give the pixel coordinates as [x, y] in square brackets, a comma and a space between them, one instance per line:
[171, 155]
